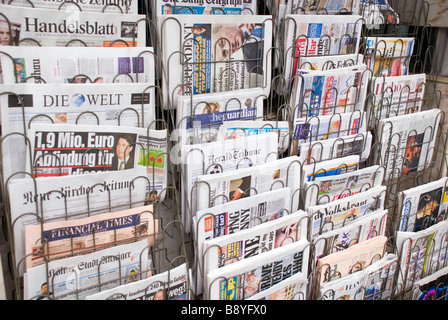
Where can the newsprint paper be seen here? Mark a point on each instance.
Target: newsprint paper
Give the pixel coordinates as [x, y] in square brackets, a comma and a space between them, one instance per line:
[293, 288]
[240, 281]
[173, 284]
[79, 276]
[77, 65]
[77, 236]
[206, 7]
[433, 287]
[53, 29]
[206, 54]
[69, 196]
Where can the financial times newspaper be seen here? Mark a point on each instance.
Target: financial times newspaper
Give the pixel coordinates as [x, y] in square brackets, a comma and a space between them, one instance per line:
[223, 187]
[200, 116]
[77, 236]
[206, 54]
[329, 92]
[311, 35]
[78, 65]
[327, 217]
[173, 284]
[79, 276]
[217, 157]
[237, 129]
[423, 206]
[293, 288]
[54, 29]
[330, 188]
[358, 144]
[236, 216]
[123, 6]
[407, 142]
[240, 281]
[62, 149]
[69, 196]
[396, 96]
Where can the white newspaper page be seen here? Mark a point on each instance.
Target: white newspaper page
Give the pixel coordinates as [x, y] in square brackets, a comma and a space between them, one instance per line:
[330, 167]
[69, 196]
[78, 65]
[329, 62]
[239, 281]
[169, 285]
[123, 6]
[77, 236]
[293, 288]
[216, 55]
[423, 206]
[77, 277]
[55, 29]
[349, 287]
[380, 280]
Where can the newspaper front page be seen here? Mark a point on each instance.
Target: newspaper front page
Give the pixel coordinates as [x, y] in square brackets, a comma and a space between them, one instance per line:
[240, 281]
[78, 65]
[293, 288]
[92, 29]
[231, 7]
[216, 56]
[77, 236]
[329, 62]
[79, 276]
[173, 284]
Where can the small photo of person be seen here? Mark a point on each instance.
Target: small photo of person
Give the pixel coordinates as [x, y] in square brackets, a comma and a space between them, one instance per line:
[239, 188]
[9, 33]
[124, 152]
[167, 9]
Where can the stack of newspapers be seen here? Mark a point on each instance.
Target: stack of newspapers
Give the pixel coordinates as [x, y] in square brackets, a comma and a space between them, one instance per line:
[83, 164]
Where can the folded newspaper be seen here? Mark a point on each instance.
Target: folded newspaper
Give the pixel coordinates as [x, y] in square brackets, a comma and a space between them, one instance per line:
[206, 54]
[328, 62]
[63, 149]
[433, 287]
[164, 7]
[330, 167]
[49, 28]
[123, 6]
[293, 288]
[223, 187]
[173, 284]
[408, 142]
[63, 197]
[240, 281]
[57, 240]
[78, 65]
[422, 206]
[79, 276]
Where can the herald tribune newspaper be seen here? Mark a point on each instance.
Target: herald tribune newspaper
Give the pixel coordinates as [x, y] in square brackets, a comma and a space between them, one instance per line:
[206, 54]
[53, 29]
[78, 65]
[76, 277]
[122, 6]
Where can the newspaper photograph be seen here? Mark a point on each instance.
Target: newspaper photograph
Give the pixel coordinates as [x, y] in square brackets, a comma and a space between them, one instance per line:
[123, 6]
[330, 216]
[200, 116]
[57, 240]
[311, 35]
[330, 188]
[325, 6]
[56, 30]
[216, 56]
[408, 142]
[240, 281]
[380, 279]
[423, 206]
[329, 92]
[169, 285]
[396, 96]
[319, 128]
[330, 167]
[378, 12]
[63, 149]
[293, 288]
[389, 56]
[217, 157]
[232, 7]
[78, 65]
[433, 287]
[69, 196]
[223, 187]
[356, 144]
[357, 257]
[79, 276]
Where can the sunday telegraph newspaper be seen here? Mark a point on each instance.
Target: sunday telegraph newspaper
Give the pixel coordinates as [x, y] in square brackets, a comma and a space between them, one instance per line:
[69, 196]
[76, 277]
[53, 29]
[62, 149]
[173, 284]
[423, 206]
[123, 6]
[56, 240]
[206, 54]
[78, 65]
[240, 281]
[205, 7]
